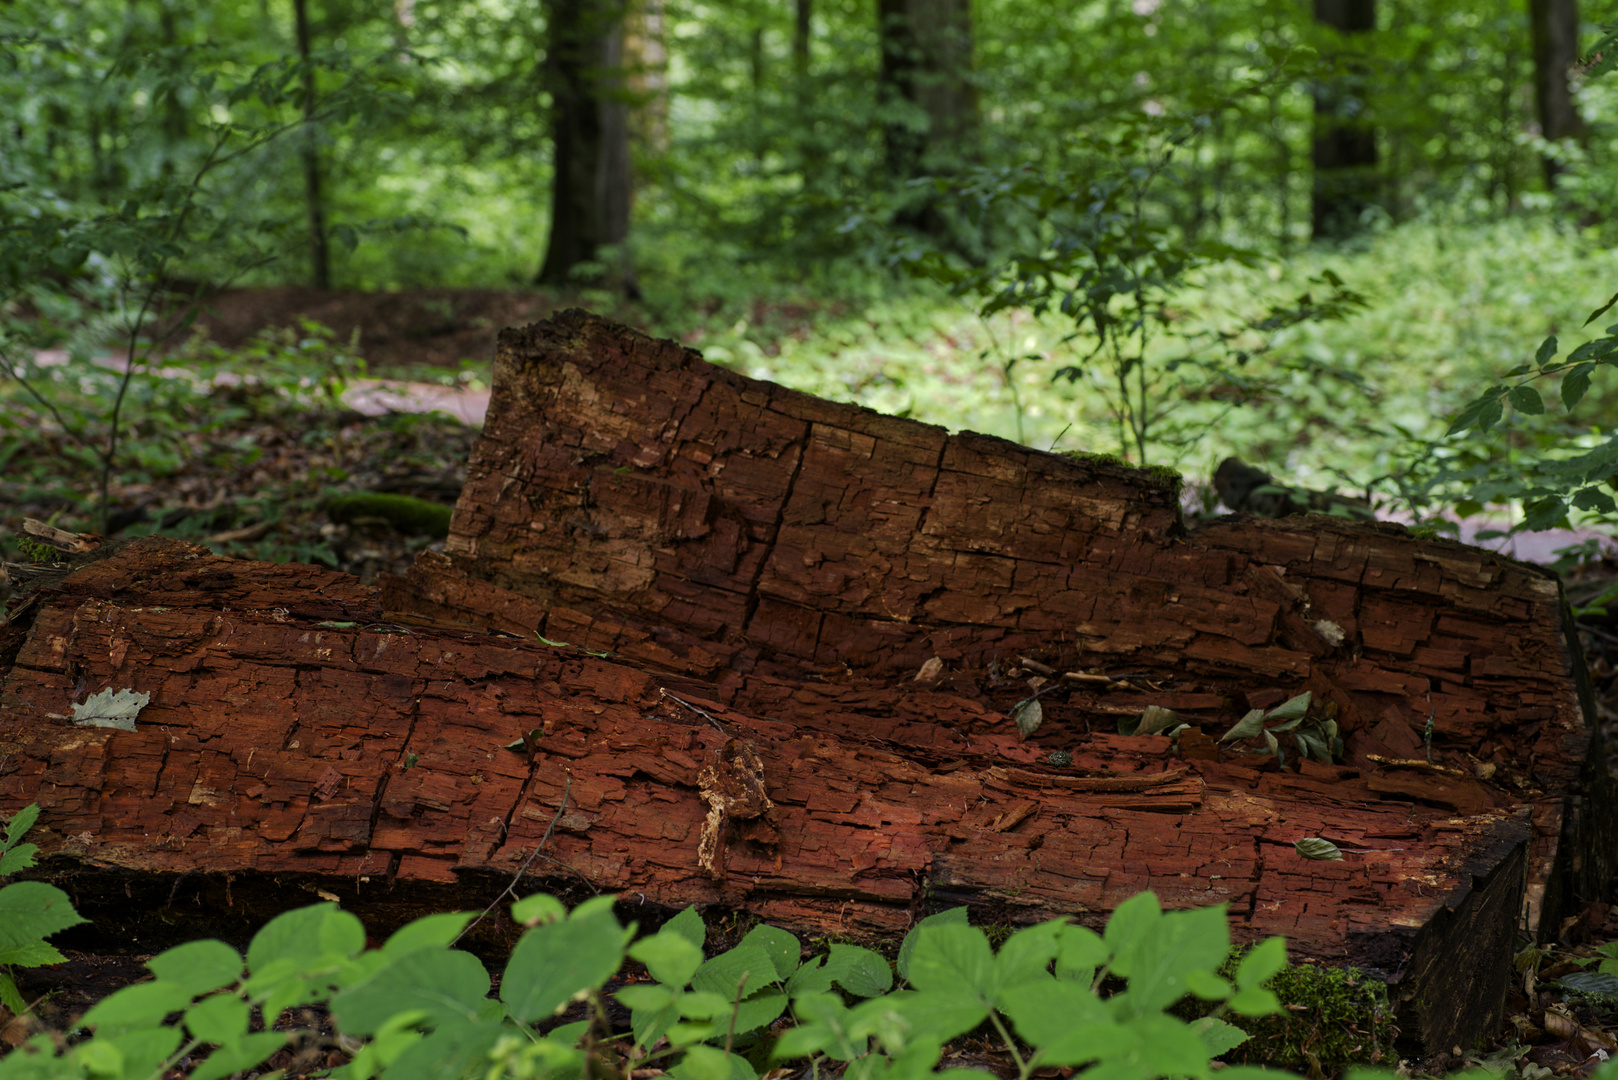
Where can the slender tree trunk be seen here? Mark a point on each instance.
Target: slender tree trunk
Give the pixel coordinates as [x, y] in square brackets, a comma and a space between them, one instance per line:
[319, 249]
[1555, 31]
[1345, 157]
[927, 66]
[802, 18]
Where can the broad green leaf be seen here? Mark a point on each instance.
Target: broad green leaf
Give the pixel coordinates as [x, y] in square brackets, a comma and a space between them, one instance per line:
[20, 823]
[1254, 1001]
[1156, 950]
[540, 907]
[951, 917]
[1246, 727]
[17, 858]
[669, 956]
[11, 998]
[781, 947]
[554, 963]
[1546, 352]
[1263, 962]
[1081, 951]
[645, 996]
[1044, 1012]
[1575, 384]
[1217, 1035]
[1594, 498]
[435, 931]
[953, 958]
[1313, 847]
[141, 1005]
[935, 1014]
[309, 937]
[860, 971]
[746, 966]
[1544, 513]
[1026, 955]
[30, 910]
[239, 1056]
[1481, 412]
[221, 1018]
[198, 966]
[446, 984]
[140, 1053]
[1602, 310]
[1525, 399]
[1207, 985]
[1292, 708]
[448, 1051]
[1082, 1043]
[32, 954]
[702, 1005]
[689, 925]
[711, 1063]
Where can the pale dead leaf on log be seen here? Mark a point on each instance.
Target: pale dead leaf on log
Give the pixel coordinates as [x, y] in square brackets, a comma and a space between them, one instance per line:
[1028, 715]
[1313, 847]
[931, 670]
[110, 708]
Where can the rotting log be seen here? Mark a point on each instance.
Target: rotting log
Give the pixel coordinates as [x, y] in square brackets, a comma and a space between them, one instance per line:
[770, 573]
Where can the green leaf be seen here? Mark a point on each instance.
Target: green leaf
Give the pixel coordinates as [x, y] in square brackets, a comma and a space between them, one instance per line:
[669, 956]
[1082, 951]
[710, 1063]
[446, 985]
[140, 1053]
[448, 1051]
[17, 858]
[309, 937]
[934, 1014]
[951, 917]
[1313, 847]
[554, 963]
[221, 1018]
[860, 971]
[1254, 1001]
[1292, 708]
[540, 907]
[11, 998]
[198, 966]
[31, 910]
[140, 1005]
[1246, 727]
[1482, 413]
[1043, 1012]
[241, 1055]
[437, 931]
[1028, 715]
[1082, 1043]
[1602, 310]
[689, 925]
[32, 954]
[20, 823]
[647, 997]
[1544, 513]
[782, 948]
[952, 958]
[1156, 950]
[1594, 498]
[1575, 384]
[1546, 352]
[1026, 955]
[747, 966]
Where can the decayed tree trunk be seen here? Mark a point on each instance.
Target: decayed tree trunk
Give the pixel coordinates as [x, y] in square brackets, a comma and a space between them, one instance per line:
[818, 622]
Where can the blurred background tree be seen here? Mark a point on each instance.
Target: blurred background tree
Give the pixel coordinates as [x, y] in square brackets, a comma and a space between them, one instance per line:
[1155, 168]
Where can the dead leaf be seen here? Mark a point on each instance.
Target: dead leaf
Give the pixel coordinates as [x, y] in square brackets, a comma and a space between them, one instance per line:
[110, 709]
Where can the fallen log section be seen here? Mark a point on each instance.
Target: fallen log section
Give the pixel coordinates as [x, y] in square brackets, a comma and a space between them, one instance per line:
[730, 644]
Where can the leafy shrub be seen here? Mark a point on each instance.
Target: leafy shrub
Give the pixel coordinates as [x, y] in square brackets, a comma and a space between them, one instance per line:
[30, 911]
[417, 1007]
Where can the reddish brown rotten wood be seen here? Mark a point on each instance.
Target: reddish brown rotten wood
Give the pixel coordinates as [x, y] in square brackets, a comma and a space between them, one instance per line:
[772, 569]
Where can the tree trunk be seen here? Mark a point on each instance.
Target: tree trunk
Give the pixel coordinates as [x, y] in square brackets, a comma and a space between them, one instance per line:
[591, 188]
[665, 579]
[1345, 157]
[1555, 31]
[319, 249]
[926, 78]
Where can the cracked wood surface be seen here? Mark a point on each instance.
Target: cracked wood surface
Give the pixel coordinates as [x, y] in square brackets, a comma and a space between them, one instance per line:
[770, 572]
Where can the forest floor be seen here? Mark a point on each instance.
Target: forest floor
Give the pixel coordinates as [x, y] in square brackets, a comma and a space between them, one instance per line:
[253, 480]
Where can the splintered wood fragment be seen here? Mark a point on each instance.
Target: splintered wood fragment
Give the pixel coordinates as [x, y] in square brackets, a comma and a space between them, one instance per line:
[766, 569]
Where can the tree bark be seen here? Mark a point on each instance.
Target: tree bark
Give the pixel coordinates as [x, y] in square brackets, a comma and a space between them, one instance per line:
[1345, 155]
[926, 80]
[664, 578]
[1554, 26]
[591, 188]
[314, 199]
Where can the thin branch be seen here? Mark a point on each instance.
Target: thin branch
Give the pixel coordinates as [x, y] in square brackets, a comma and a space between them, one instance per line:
[510, 889]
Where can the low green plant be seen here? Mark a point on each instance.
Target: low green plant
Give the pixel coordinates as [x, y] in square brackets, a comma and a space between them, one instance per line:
[30, 911]
[417, 1007]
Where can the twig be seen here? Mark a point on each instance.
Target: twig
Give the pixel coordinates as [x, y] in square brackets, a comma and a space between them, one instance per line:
[700, 712]
[510, 889]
